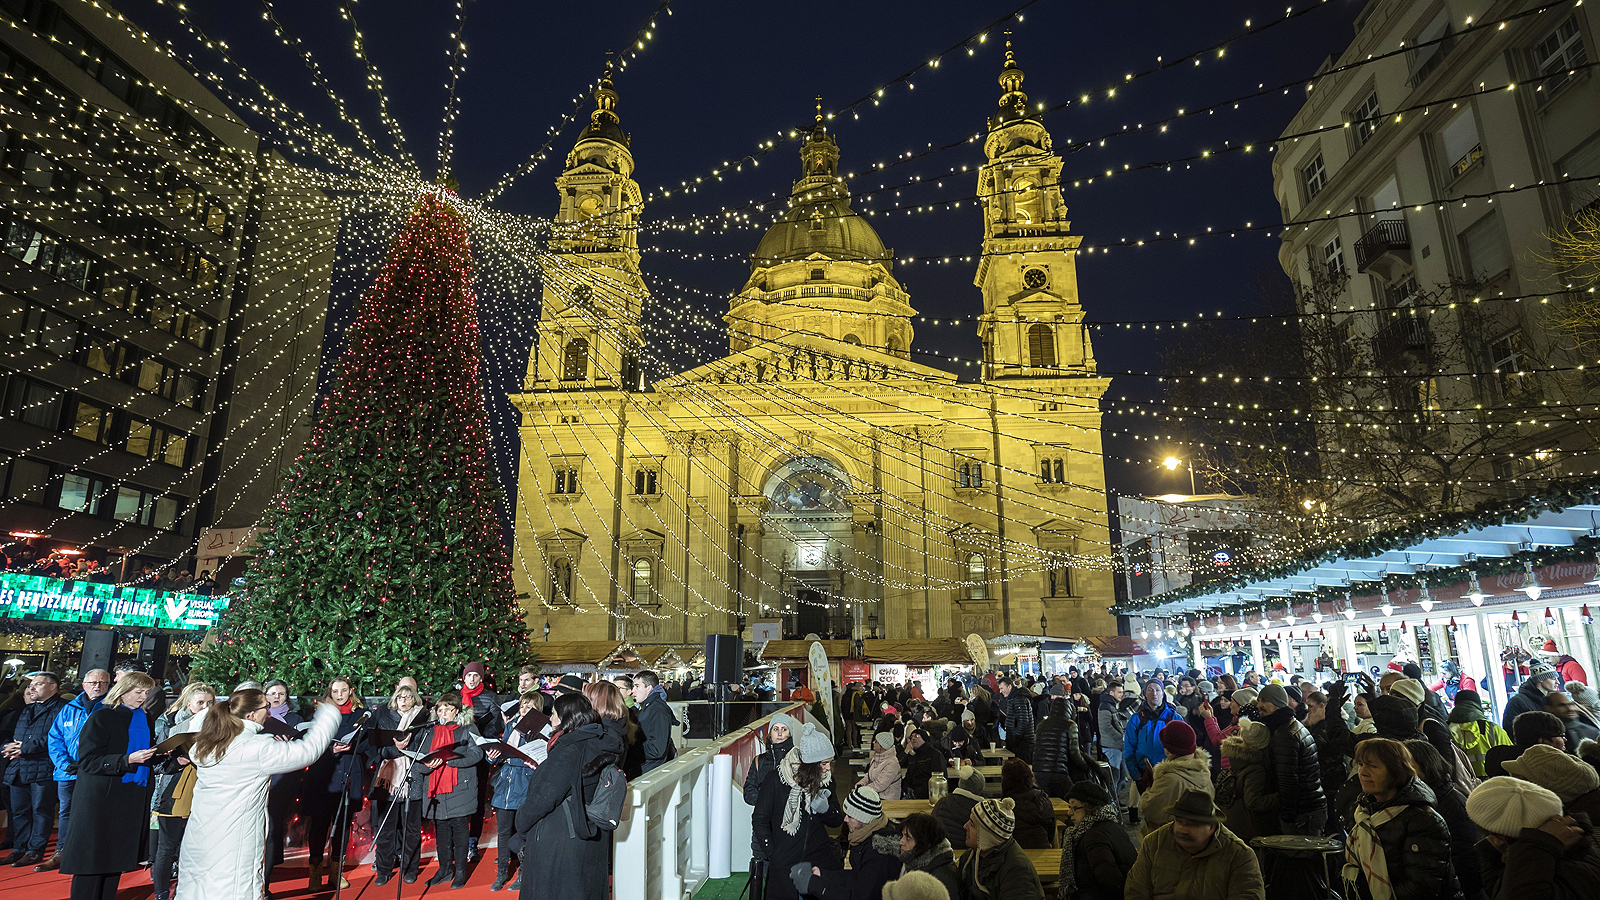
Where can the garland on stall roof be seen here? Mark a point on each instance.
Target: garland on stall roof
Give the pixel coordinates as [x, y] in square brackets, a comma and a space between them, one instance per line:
[1556, 496]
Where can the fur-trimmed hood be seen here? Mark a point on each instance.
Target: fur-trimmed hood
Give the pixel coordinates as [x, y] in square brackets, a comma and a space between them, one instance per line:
[1238, 753]
[927, 860]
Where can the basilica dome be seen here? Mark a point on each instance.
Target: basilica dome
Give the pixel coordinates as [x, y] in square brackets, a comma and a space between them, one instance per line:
[819, 218]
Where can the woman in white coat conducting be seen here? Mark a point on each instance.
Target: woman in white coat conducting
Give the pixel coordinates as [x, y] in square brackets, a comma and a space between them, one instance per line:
[224, 847]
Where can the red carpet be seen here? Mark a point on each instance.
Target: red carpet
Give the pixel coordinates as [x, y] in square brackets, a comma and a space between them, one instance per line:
[290, 880]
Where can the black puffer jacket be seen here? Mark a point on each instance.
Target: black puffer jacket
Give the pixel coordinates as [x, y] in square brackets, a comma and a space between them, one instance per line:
[1296, 773]
[1017, 713]
[1035, 819]
[1057, 756]
[1464, 837]
[1334, 744]
[1416, 844]
[953, 811]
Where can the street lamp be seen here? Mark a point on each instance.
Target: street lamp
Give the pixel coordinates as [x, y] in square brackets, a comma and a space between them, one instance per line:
[1172, 463]
[547, 630]
[1044, 624]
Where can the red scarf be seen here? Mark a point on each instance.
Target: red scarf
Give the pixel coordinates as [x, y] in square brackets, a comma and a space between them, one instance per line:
[345, 707]
[443, 779]
[471, 694]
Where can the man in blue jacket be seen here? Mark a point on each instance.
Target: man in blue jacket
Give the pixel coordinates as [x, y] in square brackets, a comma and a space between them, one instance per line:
[63, 742]
[28, 777]
[1141, 741]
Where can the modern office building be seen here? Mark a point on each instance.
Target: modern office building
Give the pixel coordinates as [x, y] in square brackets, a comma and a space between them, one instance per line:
[163, 283]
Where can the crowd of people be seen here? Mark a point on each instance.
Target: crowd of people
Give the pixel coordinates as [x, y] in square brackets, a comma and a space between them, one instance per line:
[1172, 781]
[219, 776]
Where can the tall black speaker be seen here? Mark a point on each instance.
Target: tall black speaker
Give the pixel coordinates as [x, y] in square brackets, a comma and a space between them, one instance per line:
[99, 645]
[724, 659]
[153, 650]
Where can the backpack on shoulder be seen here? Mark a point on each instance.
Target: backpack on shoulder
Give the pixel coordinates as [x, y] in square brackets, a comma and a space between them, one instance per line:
[603, 812]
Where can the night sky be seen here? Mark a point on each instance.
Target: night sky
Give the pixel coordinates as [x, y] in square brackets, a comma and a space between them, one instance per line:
[719, 78]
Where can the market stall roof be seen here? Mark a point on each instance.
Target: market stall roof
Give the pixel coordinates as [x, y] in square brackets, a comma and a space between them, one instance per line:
[1114, 646]
[1536, 529]
[657, 656]
[799, 650]
[582, 657]
[918, 651]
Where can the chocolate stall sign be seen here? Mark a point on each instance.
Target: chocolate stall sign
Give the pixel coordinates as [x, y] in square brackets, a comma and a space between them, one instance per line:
[35, 598]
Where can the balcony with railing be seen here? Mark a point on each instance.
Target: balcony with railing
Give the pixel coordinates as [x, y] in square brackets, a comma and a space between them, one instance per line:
[1386, 248]
[1402, 342]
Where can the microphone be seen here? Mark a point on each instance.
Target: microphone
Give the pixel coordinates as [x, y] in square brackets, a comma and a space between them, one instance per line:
[365, 715]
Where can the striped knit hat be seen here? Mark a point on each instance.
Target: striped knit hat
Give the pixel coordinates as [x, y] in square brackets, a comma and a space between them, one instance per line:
[996, 820]
[863, 804]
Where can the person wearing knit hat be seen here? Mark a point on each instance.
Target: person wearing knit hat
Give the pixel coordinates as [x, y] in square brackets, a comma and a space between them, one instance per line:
[1561, 705]
[991, 824]
[1302, 806]
[874, 853]
[998, 867]
[782, 729]
[916, 886]
[1472, 731]
[1507, 806]
[1542, 679]
[883, 768]
[953, 810]
[793, 812]
[1588, 700]
[1244, 696]
[1530, 848]
[1563, 774]
[1186, 768]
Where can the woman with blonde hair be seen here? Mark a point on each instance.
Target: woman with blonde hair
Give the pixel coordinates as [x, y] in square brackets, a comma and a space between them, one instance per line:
[224, 847]
[174, 786]
[397, 792]
[111, 802]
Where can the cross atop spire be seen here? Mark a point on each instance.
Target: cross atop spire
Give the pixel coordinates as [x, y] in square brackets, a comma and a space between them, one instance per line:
[819, 109]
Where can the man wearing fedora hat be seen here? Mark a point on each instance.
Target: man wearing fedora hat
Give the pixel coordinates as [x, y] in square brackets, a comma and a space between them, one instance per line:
[1195, 857]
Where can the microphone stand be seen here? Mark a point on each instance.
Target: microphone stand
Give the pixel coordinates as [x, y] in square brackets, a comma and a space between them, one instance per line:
[344, 802]
[405, 816]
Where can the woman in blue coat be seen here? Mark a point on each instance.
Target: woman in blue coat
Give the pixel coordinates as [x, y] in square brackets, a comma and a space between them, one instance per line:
[510, 784]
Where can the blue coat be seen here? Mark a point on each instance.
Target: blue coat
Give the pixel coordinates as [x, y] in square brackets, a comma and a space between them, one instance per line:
[1141, 740]
[510, 781]
[64, 736]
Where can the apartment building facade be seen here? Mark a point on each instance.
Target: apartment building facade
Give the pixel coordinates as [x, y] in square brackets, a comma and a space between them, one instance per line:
[1418, 184]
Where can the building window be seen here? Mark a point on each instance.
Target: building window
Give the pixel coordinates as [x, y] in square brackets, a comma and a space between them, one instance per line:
[34, 403]
[1053, 470]
[977, 577]
[817, 274]
[969, 474]
[1314, 176]
[561, 582]
[575, 362]
[92, 422]
[27, 480]
[157, 443]
[566, 479]
[1333, 258]
[1042, 346]
[1506, 358]
[1487, 251]
[643, 581]
[1558, 57]
[1461, 145]
[852, 339]
[582, 298]
[80, 493]
[644, 482]
[1366, 119]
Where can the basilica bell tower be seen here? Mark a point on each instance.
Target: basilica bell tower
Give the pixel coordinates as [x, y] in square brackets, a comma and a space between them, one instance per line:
[1032, 324]
[589, 333]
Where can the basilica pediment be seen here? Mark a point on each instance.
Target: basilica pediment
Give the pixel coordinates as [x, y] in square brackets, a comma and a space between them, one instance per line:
[804, 358]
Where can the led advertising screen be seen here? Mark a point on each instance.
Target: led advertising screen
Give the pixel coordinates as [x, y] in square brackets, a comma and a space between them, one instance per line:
[35, 598]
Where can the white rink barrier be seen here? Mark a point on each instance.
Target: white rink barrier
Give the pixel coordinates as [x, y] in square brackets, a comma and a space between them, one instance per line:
[663, 846]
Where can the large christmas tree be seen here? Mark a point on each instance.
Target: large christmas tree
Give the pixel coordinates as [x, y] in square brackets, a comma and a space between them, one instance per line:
[383, 557]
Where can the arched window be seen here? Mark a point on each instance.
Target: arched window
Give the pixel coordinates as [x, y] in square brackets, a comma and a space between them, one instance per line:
[969, 474]
[1042, 345]
[1044, 470]
[852, 339]
[642, 570]
[575, 362]
[1061, 471]
[561, 581]
[977, 577]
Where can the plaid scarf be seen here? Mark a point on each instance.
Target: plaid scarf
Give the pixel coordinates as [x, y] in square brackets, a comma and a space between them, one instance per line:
[1364, 854]
[1069, 847]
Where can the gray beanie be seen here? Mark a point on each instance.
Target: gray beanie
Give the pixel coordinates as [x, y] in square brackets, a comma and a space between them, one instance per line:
[1275, 694]
[1245, 696]
[972, 781]
[814, 744]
